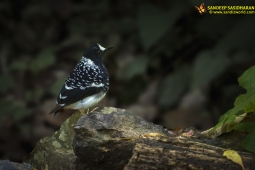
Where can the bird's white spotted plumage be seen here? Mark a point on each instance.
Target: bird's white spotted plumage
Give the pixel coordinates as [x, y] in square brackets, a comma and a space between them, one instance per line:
[87, 84]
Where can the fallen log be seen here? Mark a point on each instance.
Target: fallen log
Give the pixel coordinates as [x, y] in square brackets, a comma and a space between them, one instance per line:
[182, 153]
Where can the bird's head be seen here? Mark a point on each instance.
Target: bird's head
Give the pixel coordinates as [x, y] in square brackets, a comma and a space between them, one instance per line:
[95, 52]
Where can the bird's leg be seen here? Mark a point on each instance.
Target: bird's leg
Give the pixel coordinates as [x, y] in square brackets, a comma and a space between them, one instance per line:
[90, 111]
[94, 109]
[82, 111]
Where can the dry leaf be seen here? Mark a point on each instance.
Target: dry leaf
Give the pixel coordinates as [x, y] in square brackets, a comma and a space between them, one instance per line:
[176, 131]
[126, 138]
[234, 156]
[189, 133]
[153, 135]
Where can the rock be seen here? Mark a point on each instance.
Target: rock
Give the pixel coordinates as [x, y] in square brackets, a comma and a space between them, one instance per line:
[56, 152]
[106, 138]
[96, 141]
[7, 165]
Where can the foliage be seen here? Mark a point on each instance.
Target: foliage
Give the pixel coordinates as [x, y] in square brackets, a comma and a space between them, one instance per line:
[153, 22]
[172, 87]
[17, 110]
[137, 67]
[54, 89]
[244, 103]
[207, 67]
[43, 60]
[8, 83]
[248, 142]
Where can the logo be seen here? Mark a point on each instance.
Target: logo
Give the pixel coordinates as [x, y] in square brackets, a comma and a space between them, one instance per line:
[201, 9]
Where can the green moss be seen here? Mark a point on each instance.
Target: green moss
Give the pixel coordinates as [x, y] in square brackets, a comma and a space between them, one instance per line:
[56, 144]
[63, 136]
[39, 156]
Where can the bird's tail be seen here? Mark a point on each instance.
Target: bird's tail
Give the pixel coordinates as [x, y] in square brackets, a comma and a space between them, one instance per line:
[56, 110]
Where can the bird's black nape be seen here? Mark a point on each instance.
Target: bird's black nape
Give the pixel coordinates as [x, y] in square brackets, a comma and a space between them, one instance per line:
[95, 52]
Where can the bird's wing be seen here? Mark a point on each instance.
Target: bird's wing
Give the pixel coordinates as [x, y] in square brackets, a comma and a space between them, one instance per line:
[69, 96]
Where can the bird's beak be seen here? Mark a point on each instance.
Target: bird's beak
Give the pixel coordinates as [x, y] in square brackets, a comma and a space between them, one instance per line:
[108, 49]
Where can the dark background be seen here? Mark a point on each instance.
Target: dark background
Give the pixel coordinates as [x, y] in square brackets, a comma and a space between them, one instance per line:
[169, 64]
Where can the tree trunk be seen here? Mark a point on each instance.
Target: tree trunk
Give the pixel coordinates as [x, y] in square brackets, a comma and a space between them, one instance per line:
[183, 153]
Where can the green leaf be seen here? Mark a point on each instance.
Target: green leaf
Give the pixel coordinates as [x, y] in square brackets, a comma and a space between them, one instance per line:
[248, 142]
[55, 88]
[14, 108]
[43, 60]
[247, 101]
[224, 127]
[5, 106]
[207, 67]
[34, 94]
[172, 87]
[243, 100]
[242, 57]
[25, 129]
[19, 111]
[7, 83]
[230, 114]
[153, 22]
[241, 32]
[245, 126]
[244, 103]
[228, 122]
[247, 80]
[38, 93]
[19, 65]
[137, 67]
[211, 24]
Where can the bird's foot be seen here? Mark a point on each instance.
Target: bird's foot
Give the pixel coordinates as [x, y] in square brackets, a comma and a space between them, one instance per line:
[93, 109]
[82, 111]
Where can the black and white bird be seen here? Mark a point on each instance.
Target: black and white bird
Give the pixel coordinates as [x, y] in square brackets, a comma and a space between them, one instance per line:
[87, 84]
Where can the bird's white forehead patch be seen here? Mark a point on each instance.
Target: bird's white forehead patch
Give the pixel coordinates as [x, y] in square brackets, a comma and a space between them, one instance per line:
[101, 48]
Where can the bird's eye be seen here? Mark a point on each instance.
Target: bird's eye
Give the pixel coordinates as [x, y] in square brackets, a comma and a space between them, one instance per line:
[98, 52]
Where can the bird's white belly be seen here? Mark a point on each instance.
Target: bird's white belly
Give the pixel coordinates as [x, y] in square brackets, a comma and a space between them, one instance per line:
[87, 102]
